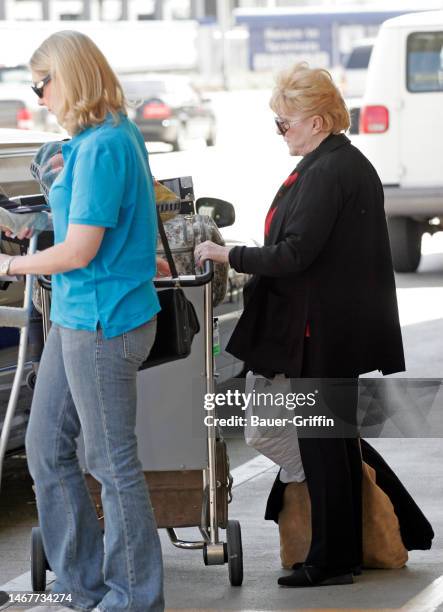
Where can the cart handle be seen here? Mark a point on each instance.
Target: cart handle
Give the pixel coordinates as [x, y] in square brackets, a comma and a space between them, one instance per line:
[13, 316]
[191, 280]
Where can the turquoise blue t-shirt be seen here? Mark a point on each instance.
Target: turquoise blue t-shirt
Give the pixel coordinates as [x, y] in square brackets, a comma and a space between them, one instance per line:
[106, 182]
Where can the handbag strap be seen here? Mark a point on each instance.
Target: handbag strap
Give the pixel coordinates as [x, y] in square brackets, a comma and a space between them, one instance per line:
[166, 246]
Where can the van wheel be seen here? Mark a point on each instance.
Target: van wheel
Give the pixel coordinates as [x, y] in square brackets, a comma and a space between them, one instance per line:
[405, 236]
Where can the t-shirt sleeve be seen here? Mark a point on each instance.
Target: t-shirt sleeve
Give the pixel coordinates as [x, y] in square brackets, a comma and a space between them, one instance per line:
[98, 185]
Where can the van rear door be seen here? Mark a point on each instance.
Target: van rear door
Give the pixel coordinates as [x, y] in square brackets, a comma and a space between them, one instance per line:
[422, 110]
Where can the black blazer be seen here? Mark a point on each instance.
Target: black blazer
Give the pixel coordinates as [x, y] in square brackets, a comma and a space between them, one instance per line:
[327, 262]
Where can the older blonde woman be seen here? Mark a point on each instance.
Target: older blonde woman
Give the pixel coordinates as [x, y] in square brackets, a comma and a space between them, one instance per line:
[103, 315]
[321, 304]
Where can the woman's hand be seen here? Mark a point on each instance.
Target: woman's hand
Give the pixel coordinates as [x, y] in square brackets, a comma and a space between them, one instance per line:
[25, 233]
[212, 251]
[163, 268]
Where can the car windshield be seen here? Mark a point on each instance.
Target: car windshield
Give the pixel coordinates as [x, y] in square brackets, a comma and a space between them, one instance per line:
[359, 58]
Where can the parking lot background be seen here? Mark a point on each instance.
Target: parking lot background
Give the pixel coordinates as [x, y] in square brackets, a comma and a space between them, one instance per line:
[246, 167]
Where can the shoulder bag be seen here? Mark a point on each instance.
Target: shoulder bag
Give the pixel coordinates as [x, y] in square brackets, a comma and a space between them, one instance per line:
[177, 322]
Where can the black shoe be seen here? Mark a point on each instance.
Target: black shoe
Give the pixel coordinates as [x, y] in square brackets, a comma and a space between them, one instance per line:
[310, 576]
[357, 571]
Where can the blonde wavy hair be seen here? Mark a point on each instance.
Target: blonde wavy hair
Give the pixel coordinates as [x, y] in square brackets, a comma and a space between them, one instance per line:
[310, 91]
[84, 81]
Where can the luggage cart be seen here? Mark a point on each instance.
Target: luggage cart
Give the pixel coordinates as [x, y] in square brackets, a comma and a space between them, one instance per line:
[208, 494]
[192, 492]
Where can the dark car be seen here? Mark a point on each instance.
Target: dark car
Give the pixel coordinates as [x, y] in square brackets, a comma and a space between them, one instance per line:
[169, 109]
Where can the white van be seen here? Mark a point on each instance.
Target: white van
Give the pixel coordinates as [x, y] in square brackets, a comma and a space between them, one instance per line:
[400, 128]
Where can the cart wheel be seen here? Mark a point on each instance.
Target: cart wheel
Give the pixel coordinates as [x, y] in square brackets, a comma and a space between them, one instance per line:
[205, 554]
[30, 380]
[38, 561]
[235, 553]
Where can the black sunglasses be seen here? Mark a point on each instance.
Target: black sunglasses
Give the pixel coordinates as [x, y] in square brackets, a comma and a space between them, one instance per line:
[38, 88]
[283, 125]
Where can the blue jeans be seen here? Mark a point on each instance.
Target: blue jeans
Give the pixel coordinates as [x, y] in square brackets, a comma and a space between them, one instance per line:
[87, 382]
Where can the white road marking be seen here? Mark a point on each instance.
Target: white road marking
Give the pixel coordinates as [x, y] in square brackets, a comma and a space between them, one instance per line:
[251, 469]
[420, 304]
[20, 583]
[428, 600]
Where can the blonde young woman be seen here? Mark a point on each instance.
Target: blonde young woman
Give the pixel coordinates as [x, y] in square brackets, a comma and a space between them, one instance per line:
[103, 315]
[321, 304]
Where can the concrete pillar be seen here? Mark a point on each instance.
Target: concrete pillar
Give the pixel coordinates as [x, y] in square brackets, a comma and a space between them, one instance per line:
[124, 15]
[46, 10]
[159, 9]
[100, 9]
[197, 9]
[211, 8]
[224, 18]
[86, 13]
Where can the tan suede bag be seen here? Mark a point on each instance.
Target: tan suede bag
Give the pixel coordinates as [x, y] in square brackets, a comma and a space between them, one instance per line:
[382, 543]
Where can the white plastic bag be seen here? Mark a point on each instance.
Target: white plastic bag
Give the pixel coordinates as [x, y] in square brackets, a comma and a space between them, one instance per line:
[280, 444]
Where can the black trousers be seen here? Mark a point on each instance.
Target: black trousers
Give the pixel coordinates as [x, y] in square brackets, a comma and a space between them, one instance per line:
[333, 475]
[333, 470]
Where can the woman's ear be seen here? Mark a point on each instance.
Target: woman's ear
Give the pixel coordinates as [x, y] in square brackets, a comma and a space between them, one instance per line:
[317, 124]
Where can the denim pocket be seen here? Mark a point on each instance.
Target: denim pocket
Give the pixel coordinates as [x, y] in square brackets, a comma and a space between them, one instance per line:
[137, 343]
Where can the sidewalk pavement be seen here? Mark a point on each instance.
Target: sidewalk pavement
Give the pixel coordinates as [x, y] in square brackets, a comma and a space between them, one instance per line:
[416, 588]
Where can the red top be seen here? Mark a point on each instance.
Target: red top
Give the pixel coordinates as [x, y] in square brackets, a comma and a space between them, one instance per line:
[268, 220]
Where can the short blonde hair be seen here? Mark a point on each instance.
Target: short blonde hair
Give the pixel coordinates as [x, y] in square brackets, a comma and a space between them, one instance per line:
[310, 91]
[84, 81]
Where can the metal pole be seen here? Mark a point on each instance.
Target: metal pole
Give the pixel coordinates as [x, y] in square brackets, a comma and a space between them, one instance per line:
[209, 358]
[17, 317]
[46, 308]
